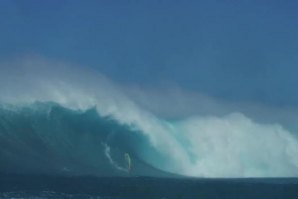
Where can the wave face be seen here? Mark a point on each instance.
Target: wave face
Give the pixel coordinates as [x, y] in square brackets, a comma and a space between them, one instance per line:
[46, 138]
[60, 119]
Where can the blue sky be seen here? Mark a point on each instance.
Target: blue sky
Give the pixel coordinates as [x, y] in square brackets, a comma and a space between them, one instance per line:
[244, 50]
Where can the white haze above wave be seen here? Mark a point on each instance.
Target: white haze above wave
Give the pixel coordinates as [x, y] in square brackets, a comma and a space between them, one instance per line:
[201, 136]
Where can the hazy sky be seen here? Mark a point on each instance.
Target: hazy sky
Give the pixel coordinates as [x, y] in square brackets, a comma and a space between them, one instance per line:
[238, 50]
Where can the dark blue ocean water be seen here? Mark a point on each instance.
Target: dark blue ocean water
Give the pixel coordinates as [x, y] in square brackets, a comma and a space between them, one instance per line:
[38, 186]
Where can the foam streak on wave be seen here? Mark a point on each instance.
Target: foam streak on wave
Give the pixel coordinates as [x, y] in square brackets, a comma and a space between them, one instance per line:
[112, 162]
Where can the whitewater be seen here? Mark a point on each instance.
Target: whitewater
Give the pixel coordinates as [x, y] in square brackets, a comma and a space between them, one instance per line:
[61, 118]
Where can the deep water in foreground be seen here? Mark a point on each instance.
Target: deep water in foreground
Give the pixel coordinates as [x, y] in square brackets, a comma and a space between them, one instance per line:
[41, 186]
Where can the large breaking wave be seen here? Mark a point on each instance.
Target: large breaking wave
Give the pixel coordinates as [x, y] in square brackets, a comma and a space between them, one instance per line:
[60, 119]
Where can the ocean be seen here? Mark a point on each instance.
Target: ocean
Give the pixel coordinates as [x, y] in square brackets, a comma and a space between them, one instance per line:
[50, 151]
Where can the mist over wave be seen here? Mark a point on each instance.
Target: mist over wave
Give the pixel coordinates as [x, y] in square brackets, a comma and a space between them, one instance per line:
[206, 142]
